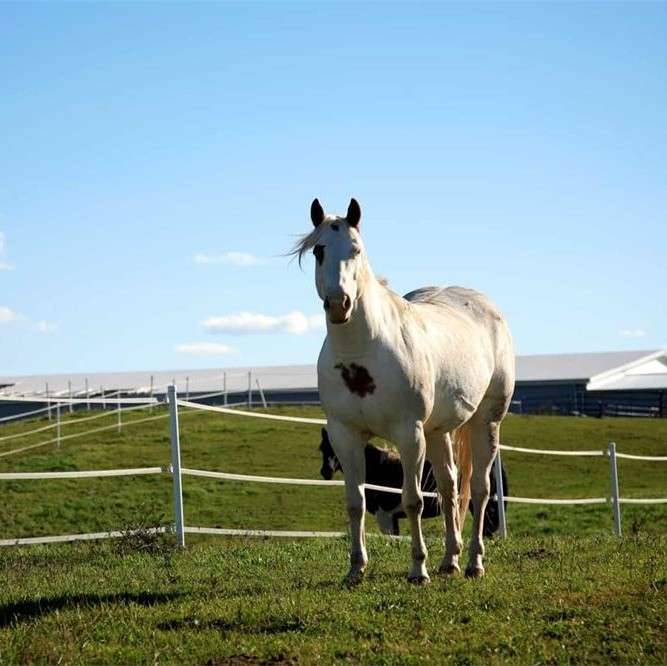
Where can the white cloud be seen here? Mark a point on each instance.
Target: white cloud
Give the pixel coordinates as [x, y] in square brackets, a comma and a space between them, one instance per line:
[47, 327]
[230, 259]
[247, 323]
[8, 316]
[632, 333]
[4, 266]
[204, 348]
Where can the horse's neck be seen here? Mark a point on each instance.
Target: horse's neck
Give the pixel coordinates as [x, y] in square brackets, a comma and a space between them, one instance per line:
[373, 318]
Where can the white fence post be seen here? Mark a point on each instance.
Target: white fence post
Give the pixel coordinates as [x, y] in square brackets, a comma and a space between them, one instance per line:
[48, 401]
[224, 388]
[176, 466]
[616, 504]
[69, 390]
[58, 424]
[249, 390]
[87, 396]
[119, 417]
[500, 494]
[261, 393]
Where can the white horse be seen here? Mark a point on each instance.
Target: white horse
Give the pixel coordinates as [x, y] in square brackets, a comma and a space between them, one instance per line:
[420, 370]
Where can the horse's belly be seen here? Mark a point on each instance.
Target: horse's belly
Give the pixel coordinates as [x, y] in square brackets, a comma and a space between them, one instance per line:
[449, 413]
[373, 413]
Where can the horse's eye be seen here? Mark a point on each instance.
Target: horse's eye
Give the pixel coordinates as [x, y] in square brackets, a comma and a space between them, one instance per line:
[318, 251]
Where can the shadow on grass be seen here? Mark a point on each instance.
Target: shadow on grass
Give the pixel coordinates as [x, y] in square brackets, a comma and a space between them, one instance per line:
[267, 626]
[24, 611]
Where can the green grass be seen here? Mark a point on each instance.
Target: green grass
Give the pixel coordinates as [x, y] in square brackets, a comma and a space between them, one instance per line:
[257, 446]
[545, 600]
[561, 589]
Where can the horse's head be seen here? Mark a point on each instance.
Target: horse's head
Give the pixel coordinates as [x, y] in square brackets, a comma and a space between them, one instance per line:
[340, 259]
[330, 463]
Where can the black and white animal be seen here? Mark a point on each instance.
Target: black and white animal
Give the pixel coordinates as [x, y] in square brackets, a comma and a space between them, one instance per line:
[383, 468]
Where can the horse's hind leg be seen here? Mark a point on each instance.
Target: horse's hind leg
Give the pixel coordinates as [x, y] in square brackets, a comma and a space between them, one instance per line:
[349, 446]
[412, 447]
[485, 439]
[439, 452]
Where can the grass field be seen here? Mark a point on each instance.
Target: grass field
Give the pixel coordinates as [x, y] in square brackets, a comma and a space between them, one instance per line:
[561, 589]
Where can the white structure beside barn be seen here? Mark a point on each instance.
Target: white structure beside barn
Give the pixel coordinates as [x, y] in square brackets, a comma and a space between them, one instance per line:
[595, 384]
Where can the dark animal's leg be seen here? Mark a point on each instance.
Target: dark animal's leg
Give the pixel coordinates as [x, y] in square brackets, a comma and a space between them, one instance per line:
[384, 470]
[395, 529]
[385, 521]
[432, 505]
[490, 524]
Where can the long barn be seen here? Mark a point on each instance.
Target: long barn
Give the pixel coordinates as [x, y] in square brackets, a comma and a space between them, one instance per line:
[592, 384]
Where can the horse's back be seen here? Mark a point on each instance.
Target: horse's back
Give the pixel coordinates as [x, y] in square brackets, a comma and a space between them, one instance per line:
[457, 299]
[478, 321]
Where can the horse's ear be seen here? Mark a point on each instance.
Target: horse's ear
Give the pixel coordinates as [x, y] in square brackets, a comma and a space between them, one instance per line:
[316, 212]
[353, 213]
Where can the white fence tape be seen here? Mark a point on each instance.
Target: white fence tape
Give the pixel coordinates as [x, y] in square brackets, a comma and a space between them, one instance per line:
[261, 479]
[24, 415]
[256, 415]
[630, 456]
[627, 500]
[63, 438]
[75, 421]
[295, 482]
[292, 534]
[137, 471]
[547, 452]
[21, 435]
[261, 533]
[80, 537]
[530, 500]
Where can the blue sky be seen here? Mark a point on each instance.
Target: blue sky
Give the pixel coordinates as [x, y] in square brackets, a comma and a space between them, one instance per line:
[158, 160]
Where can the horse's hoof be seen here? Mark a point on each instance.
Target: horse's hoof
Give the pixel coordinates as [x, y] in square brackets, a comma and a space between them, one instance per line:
[474, 572]
[353, 578]
[419, 580]
[449, 570]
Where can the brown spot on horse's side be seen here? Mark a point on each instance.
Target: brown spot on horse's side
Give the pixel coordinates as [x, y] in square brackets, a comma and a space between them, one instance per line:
[357, 379]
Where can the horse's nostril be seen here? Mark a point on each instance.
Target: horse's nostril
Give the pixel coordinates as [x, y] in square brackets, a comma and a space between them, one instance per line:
[327, 304]
[346, 302]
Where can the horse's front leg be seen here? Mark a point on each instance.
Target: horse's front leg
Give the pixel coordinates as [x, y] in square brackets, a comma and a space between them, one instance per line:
[412, 447]
[349, 446]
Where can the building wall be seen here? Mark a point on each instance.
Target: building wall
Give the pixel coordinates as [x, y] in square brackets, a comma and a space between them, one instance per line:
[572, 398]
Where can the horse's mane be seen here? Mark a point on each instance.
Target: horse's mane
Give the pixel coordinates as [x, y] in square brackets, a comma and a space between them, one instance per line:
[309, 241]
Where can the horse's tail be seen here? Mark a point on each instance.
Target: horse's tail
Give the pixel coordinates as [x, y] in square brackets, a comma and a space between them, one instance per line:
[463, 455]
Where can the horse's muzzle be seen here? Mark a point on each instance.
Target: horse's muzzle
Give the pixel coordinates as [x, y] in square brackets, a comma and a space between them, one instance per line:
[338, 308]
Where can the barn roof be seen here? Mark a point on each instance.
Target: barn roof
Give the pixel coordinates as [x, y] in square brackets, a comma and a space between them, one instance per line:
[212, 380]
[601, 371]
[648, 372]
[573, 367]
